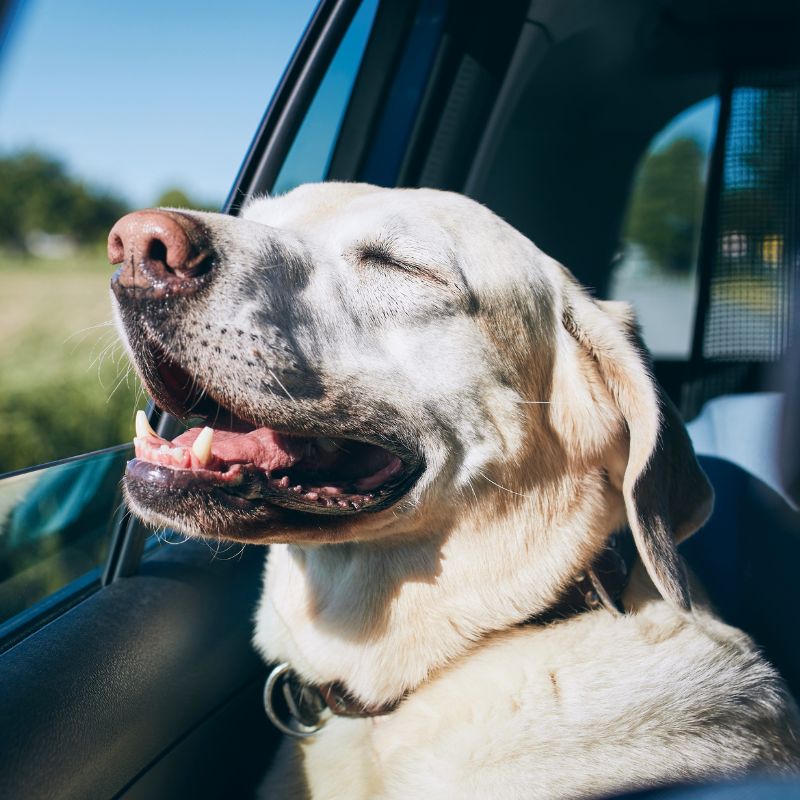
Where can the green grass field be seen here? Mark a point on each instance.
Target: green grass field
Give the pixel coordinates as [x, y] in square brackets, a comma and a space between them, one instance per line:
[62, 370]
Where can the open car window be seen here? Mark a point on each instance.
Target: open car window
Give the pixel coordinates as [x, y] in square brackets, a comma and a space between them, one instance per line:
[656, 267]
[68, 393]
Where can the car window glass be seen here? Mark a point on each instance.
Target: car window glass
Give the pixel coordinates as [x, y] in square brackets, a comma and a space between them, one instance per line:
[100, 114]
[309, 157]
[749, 316]
[656, 269]
[54, 525]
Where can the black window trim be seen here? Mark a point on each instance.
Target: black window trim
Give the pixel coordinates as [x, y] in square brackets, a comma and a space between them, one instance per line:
[291, 100]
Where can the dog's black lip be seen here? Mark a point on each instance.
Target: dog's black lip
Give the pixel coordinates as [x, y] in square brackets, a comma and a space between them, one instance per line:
[253, 490]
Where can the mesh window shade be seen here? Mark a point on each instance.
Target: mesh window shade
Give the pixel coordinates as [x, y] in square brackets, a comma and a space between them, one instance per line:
[754, 274]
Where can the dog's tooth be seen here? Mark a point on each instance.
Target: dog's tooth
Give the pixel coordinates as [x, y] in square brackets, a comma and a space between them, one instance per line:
[143, 427]
[326, 445]
[202, 445]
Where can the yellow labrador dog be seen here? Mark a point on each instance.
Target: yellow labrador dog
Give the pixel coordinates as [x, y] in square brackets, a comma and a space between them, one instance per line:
[439, 432]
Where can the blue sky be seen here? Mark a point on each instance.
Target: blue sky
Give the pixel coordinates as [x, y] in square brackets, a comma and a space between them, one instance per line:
[140, 96]
[697, 122]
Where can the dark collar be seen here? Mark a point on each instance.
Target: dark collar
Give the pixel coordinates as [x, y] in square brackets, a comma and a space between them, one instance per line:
[600, 586]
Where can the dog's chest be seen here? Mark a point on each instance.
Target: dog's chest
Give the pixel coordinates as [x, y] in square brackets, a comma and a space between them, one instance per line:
[562, 711]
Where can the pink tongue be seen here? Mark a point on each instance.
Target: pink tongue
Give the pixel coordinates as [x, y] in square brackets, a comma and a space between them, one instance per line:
[263, 447]
[266, 449]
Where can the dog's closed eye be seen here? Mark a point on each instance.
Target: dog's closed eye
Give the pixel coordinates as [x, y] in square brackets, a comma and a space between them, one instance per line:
[381, 255]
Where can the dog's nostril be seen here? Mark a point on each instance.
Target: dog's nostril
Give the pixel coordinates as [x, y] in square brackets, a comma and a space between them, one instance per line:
[116, 249]
[157, 251]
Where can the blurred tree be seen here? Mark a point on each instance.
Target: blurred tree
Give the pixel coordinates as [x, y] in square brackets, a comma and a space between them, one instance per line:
[666, 206]
[175, 197]
[37, 194]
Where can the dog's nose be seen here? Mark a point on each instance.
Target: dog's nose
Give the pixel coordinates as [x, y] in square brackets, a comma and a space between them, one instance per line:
[160, 251]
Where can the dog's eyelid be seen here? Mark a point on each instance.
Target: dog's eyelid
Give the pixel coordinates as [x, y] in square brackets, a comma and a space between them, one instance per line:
[379, 253]
[376, 251]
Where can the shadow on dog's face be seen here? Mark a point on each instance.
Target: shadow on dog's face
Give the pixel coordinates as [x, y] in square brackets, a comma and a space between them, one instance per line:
[361, 355]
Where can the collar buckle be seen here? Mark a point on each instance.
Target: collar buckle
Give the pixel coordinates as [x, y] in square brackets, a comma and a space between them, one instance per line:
[303, 704]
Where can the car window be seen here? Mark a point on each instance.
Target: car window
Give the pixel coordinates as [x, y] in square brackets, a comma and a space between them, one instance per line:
[54, 527]
[749, 316]
[656, 267]
[95, 122]
[310, 155]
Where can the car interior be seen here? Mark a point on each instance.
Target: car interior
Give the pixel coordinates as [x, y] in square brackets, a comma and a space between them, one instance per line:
[545, 111]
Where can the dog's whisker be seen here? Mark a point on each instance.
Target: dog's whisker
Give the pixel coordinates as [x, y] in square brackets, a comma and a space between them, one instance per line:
[504, 488]
[278, 381]
[472, 489]
[168, 539]
[235, 556]
[88, 329]
[118, 384]
[200, 397]
[100, 358]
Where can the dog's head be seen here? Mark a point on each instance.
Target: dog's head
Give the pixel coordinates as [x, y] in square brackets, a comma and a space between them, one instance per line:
[371, 360]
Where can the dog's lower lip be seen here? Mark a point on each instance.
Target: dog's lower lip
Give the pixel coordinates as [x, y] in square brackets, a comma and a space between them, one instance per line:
[314, 474]
[248, 485]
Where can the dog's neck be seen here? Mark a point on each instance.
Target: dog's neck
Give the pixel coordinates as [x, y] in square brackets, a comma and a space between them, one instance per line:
[383, 617]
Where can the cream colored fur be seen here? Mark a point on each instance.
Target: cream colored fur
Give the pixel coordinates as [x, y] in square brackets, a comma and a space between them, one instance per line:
[590, 705]
[583, 708]
[542, 433]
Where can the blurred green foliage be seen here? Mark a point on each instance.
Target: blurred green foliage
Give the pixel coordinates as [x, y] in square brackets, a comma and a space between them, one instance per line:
[177, 198]
[38, 430]
[37, 194]
[66, 386]
[63, 388]
[667, 204]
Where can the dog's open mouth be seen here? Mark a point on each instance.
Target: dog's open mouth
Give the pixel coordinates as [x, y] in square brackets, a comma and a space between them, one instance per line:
[244, 463]
[308, 473]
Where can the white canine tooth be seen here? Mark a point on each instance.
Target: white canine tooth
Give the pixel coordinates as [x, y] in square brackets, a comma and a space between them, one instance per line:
[202, 445]
[327, 445]
[143, 428]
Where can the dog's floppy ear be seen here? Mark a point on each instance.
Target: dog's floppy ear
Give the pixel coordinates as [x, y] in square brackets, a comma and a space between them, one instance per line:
[667, 496]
